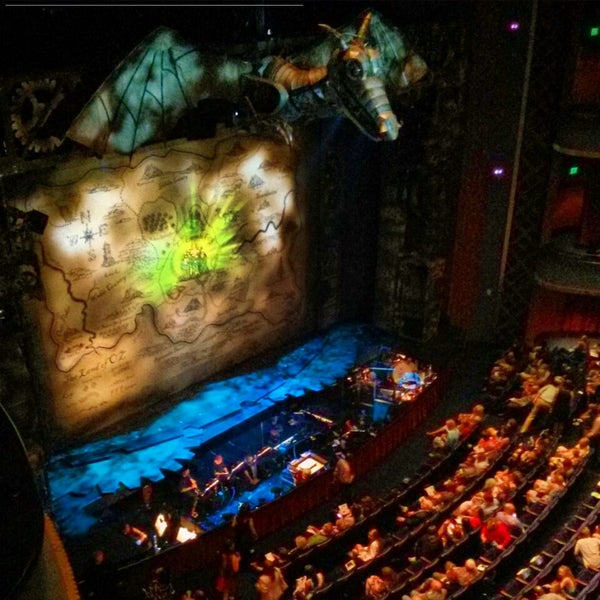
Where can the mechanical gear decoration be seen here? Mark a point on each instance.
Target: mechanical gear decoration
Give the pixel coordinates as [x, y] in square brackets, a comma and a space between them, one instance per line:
[33, 103]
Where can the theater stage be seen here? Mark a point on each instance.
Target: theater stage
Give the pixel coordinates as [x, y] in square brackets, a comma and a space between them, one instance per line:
[94, 488]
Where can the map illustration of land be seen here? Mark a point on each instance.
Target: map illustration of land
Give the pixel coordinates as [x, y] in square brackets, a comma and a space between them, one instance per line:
[164, 269]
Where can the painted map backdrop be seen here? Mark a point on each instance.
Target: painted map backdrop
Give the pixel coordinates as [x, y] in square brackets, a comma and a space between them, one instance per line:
[163, 269]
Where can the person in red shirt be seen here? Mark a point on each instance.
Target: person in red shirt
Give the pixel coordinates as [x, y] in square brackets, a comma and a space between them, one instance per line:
[495, 535]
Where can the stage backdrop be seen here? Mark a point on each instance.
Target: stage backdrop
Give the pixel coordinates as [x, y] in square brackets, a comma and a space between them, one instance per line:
[162, 269]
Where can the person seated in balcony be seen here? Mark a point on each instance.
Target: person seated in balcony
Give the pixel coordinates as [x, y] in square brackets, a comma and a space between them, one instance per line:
[587, 549]
[491, 442]
[489, 505]
[426, 506]
[374, 546]
[495, 536]
[564, 580]
[451, 531]
[445, 437]
[507, 483]
[527, 454]
[473, 466]
[508, 516]
[430, 545]
[455, 576]
[345, 518]
[525, 395]
[311, 537]
[552, 593]
[468, 422]
[544, 490]
[583, 445]
[368, 505]
[308, 583]
[375, 587]
[430, 589]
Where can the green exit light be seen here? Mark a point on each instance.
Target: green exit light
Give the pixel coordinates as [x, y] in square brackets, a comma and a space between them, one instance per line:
[574, 170]
[594, 31]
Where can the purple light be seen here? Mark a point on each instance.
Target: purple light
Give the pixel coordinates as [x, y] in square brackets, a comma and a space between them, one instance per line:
[514, 26]
[498, 172]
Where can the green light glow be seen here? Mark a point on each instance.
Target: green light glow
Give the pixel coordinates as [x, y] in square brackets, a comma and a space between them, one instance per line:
[206, 244]
[574, 170]
[594, 31]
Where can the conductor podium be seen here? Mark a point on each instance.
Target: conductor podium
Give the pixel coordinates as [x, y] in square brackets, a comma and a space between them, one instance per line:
[304, 467]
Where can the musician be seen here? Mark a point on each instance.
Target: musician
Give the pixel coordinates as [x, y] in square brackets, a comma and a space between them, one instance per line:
[221, 472]
[250, 469]
[275, 431]
[188, 487]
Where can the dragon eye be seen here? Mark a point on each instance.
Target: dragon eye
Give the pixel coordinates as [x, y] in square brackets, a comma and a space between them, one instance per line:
[354, 69]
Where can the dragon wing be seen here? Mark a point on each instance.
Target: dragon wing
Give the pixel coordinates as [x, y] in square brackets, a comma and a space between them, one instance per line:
[143, 98]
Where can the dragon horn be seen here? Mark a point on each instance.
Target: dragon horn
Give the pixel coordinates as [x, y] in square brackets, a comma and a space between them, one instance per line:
[364, 26]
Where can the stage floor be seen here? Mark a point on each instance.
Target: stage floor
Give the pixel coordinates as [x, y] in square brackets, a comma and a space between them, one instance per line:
[83, 477]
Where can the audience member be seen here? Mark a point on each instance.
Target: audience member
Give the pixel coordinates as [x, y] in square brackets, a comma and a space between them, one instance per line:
[228, 579]
[430, 545]
[554, 593]
[244, 534]
[456, 575]
[587, 549]
[343, 475]
[489, 505]
[564, 580]
[307, 584]
[560, 413]
[468, 422]
[430, 589]
[445, 437]
[375, 587]
[271, 584]
[371, 550]
[495, 536]
[451, 531]
[426, 505]
[544, 489]
[508, 516]
[345, 518]
[542, 403]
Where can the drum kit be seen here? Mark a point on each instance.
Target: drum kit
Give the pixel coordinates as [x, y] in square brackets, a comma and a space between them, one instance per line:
[397, 379]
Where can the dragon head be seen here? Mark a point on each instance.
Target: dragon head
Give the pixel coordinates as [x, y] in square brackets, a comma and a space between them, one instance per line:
[356, 81]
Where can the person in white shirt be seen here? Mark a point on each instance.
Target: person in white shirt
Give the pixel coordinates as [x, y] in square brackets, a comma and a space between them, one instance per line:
[587, 549]
[542, 403]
